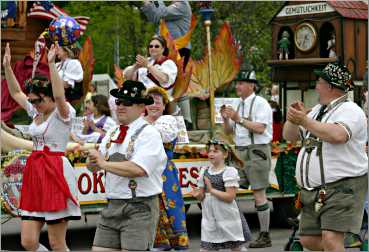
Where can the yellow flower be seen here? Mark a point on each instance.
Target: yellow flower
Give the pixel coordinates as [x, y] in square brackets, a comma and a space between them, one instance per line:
[183, 209]
[170, 168]
[171, 219]
[175, 188]
[172, 204]
[183, 240]
[164, 178]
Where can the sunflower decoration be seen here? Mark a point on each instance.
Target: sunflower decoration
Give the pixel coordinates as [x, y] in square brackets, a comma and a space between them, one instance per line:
[172, 204]
[183, 240]
[175, 188]
[164, 178]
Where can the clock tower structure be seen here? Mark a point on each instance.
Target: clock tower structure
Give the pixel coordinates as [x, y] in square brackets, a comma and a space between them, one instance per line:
[319, 32]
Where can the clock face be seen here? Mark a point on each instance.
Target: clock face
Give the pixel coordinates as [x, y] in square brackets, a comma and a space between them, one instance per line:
[305, 37]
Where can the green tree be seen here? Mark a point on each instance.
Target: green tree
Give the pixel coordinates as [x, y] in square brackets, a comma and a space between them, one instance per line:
[250, 26]
[110, 21]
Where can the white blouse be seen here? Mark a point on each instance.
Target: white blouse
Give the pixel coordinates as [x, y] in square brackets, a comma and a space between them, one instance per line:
[70, 70]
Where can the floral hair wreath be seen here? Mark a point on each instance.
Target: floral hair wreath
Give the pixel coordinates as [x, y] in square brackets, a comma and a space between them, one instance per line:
[39, 85]
[218, 142]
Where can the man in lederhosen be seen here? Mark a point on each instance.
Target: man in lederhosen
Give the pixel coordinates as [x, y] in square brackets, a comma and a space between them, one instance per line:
[251, 124]
[134, 159]
[332, 165]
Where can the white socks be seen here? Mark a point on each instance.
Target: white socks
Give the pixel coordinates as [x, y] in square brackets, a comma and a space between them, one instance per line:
[41, 248]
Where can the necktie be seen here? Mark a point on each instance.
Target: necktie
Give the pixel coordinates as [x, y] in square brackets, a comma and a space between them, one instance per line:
[122, 134]
[321, 113]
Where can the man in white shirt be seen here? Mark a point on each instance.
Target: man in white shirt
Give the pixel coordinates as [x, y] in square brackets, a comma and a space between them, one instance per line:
[251, 124]
[332, 165]
[134, 159]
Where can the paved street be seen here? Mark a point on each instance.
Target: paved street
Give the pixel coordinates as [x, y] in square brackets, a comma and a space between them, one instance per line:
[80, 234]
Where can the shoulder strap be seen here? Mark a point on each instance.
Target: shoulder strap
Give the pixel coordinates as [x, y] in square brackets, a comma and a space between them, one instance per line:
[250, 113]
[130, 148]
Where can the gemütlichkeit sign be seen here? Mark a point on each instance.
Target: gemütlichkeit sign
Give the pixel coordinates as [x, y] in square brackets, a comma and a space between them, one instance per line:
[304, 9]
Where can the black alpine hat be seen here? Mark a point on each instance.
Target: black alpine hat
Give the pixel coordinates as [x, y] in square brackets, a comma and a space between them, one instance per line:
[133, 91]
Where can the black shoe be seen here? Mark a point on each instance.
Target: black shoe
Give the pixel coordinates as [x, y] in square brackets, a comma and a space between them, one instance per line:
[262, 241]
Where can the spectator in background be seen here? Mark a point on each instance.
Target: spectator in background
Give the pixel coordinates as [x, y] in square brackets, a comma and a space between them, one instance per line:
[70, 71]
[97, 122]
[177, 16]
[277, 121]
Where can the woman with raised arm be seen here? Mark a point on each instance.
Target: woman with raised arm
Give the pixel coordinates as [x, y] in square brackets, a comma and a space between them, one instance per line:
[49, 188]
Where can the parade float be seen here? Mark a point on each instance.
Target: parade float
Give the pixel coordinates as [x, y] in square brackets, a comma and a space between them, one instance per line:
[200, 79]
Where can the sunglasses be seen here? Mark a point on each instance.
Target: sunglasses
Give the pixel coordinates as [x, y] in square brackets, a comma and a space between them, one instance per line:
[156, 46]
[125, 103]
[36, 101]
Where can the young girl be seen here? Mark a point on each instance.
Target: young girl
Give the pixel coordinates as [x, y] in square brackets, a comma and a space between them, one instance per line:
[97, 122]
[223, 226]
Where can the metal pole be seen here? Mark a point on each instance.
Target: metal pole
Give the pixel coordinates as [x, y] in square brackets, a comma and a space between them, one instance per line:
[207, 24]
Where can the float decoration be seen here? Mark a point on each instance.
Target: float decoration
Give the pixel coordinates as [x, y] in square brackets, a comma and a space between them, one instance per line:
[184, 72]
[86, 57]
[225, 64]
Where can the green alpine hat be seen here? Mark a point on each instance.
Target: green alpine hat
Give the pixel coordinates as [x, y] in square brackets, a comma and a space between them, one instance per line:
[337, 75]
[248, 76]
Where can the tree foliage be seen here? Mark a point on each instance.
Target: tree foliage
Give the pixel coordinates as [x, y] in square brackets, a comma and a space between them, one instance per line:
[110, 20]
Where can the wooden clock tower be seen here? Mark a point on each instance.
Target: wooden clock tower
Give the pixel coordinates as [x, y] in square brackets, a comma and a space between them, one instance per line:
[314, 34]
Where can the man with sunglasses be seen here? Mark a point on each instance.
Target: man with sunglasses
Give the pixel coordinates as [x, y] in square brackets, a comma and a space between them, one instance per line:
[251, 124]
[134, 159]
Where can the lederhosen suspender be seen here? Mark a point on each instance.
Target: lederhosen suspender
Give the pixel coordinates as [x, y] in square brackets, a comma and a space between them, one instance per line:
[130, 149]
[311, 142]
[251, 134]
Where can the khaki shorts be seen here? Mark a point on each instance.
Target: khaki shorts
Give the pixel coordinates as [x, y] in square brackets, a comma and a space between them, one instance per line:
[128, 224]
[342, 211]
[257, 158]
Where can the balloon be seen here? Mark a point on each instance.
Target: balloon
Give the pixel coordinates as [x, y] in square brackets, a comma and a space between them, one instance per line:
[64, 30]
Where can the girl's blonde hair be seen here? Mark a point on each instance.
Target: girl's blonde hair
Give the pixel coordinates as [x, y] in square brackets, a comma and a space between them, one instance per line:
[232, 156]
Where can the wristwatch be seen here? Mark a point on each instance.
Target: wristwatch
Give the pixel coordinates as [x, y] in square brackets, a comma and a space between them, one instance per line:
[241, 121]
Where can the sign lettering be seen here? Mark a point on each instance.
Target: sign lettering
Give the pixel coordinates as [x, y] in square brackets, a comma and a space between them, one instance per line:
[304, 9]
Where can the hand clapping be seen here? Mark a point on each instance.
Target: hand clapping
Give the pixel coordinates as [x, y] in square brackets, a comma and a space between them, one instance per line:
[296, 113]
[228, 112]
[141, 61]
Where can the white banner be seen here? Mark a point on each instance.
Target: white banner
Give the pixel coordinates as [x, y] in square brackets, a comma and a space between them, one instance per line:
[219, 102]
[305, 9]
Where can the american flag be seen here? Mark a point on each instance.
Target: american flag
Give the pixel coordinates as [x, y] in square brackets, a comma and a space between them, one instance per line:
[47, 10]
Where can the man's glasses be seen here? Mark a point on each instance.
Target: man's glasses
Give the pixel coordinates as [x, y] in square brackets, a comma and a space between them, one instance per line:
[126, 103]
[36, 101]
[156, 46]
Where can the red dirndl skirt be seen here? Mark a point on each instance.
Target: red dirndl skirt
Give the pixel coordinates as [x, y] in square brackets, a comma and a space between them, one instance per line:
[44, 188]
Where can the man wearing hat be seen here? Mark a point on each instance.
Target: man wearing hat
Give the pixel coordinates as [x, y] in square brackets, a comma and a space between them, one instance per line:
[251, 124]
[134, 159]
[332, 165]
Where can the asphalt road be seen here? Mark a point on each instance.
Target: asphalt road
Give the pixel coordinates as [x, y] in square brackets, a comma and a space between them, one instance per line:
[81, 233]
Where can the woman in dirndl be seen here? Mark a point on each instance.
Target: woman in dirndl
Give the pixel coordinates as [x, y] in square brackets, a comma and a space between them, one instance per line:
[49, 188]
[171, 231]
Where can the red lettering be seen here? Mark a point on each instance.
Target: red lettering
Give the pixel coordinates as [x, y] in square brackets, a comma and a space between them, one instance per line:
[194, 172]
[98, 181]
[88, 180]
[182, 176]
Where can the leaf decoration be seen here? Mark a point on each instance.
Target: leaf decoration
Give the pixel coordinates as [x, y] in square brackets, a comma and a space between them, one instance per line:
[86, 57]
[183, 75]
[118, 75]
[225, 64]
